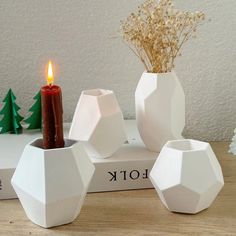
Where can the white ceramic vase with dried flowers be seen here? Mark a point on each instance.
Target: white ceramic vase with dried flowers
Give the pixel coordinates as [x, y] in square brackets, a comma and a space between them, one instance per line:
[156, 33]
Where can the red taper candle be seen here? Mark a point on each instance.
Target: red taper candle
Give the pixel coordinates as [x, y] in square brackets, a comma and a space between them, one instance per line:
[52, 113]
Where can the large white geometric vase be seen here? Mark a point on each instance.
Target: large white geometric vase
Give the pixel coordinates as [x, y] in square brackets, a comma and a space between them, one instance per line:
[52, 184]
[98, 123]
[187, 176]
[160, 109]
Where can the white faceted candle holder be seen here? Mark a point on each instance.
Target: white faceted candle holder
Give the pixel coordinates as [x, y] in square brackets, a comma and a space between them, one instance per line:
[52, 184]
[98, 123]
[187, 176]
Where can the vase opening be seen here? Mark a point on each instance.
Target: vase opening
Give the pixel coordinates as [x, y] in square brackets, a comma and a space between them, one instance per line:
[38, 143]
[186, 145]
[158, 73]
[97, 92]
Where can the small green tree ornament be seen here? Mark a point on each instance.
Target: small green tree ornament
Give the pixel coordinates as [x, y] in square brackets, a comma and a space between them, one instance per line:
[35, 119]
[232, 146]
[11, 118]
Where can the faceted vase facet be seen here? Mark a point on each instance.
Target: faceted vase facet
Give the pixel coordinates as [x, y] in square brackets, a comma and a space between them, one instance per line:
[187, 176]
[160, 109]
[51, 184]
[98, 123]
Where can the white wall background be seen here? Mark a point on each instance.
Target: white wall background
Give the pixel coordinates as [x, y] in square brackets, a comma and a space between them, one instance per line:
[78, 35]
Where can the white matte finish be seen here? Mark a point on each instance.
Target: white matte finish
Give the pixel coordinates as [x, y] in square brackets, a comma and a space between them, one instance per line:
[52, 184]
[187, 176]
[160, 109]
[98, 123]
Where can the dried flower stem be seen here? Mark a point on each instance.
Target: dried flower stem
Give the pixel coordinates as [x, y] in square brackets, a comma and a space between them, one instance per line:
[157, 32]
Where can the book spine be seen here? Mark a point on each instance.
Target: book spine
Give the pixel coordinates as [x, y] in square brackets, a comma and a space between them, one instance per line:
[108, 176]
[125, 175]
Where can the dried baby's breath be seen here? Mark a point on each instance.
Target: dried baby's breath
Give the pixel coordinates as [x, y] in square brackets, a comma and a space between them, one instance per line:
[157, 32]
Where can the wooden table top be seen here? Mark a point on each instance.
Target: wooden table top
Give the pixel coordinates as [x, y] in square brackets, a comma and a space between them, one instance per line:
[137, 212]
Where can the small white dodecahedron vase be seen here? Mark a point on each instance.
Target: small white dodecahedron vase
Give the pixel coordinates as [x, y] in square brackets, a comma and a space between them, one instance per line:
[98, 123]
[187, 176]
[52, 184]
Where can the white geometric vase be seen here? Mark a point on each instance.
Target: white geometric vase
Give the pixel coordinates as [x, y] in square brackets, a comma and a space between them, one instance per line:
[98, 123]
[52, 184]
[187, 176]
[160, 109]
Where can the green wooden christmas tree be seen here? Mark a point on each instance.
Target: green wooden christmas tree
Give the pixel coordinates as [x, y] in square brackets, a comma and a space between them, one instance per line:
[11, 118]
[35, 119]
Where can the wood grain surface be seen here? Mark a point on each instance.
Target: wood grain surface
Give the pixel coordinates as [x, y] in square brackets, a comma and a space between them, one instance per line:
[137, 212]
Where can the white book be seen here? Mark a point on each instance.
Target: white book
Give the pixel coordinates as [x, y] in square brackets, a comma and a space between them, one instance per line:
[127, 169]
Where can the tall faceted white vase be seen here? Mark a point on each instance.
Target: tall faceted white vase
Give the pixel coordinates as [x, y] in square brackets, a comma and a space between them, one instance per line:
[52, 184]
[98, 123]
[160, 109]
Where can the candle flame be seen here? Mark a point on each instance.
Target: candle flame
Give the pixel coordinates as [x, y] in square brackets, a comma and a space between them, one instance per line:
[50, 78]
